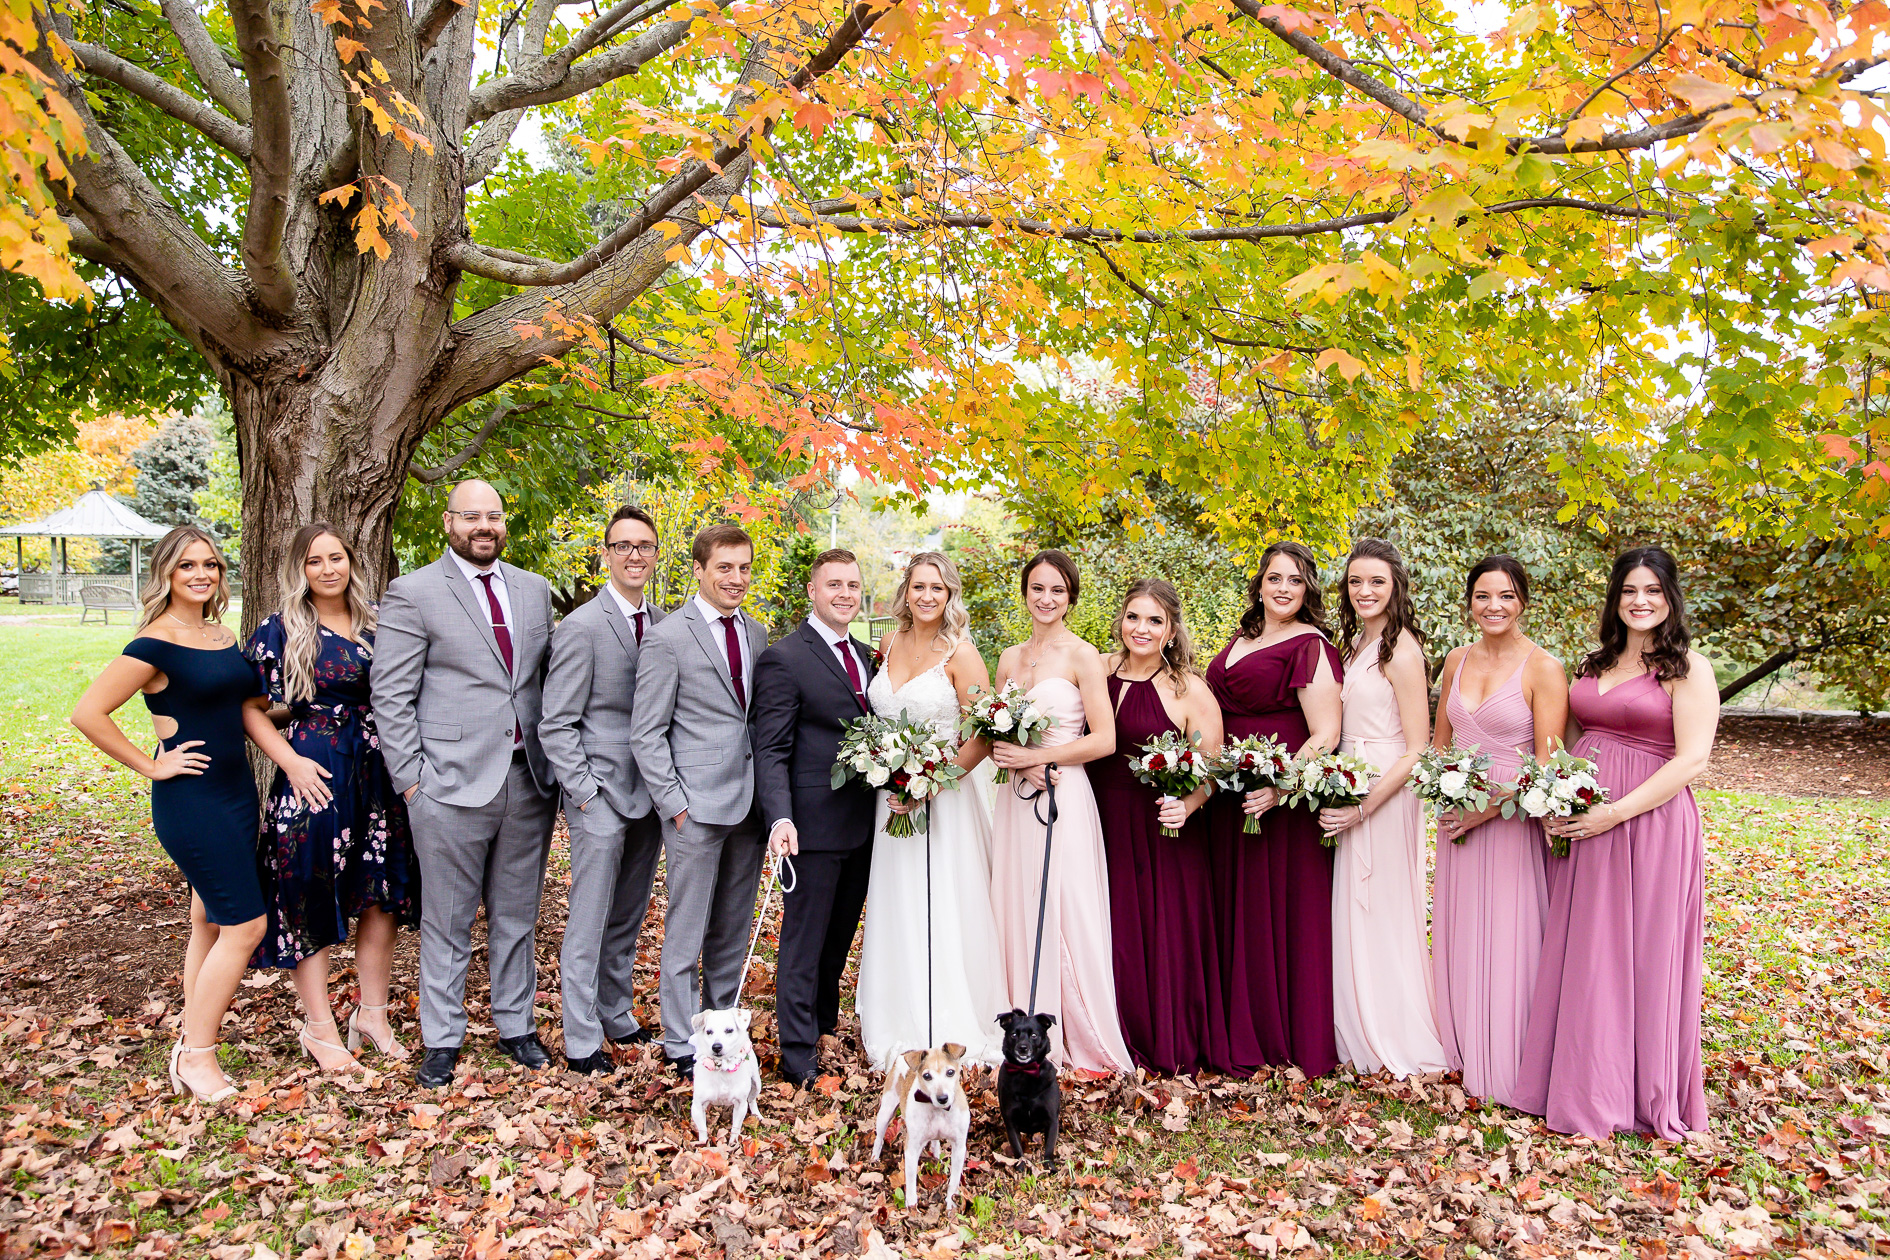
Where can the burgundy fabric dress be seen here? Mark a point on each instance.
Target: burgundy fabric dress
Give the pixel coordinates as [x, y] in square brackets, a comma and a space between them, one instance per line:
[1614, 1032]
[1161, 903]
[1273, 890]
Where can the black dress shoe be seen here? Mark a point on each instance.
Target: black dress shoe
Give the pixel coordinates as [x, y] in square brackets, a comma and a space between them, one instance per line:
[685, 1067]
[804, 1079]
[526, 1051]
[595, 1061]
[642, 1036]
[436, 1068]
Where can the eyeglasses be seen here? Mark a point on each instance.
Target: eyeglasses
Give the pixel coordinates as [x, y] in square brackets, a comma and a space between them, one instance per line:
[477, 518]
[646, 550]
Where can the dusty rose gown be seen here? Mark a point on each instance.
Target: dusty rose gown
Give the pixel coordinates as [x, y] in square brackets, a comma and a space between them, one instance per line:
[1161, 899]
[1488, 906]
[1078, 983]
[1614, 1032]
[1274, 894]
[1381, 974]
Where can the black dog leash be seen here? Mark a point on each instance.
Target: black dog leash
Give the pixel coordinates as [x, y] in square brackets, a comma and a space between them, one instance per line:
[929, 1039]
[1048, 817]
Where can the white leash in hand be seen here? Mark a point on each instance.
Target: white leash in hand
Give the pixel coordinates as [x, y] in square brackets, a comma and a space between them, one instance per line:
[774, 880]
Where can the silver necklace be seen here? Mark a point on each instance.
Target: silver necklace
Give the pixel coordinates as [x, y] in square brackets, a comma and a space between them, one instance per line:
[202, 629]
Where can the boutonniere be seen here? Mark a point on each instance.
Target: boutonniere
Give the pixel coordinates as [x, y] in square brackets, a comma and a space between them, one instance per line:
[879, 659]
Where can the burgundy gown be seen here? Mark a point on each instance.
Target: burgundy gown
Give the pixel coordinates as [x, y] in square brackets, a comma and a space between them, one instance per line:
[1273, 890]
[1614, 1032]
[1161, 903]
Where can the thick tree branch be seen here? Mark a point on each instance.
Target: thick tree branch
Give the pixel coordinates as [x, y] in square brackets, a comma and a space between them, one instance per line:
[170, 98]
[551, 81]
[1760, 672]
[468, 256]
[271, 164]
[436, 473]
[430, 20]
[1341, 69]
[207, 57]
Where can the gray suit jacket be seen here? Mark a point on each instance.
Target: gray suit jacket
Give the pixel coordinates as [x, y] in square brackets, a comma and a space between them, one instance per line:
[444, 704]
[691, 739]
[590, 693]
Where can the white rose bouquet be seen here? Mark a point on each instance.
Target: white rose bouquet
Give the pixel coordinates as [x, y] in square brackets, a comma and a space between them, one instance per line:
[911, 760]
[1172, 766]
[1560, 786]
[1334, 781]
[1453, 778]
[1249, 764]
[1005, 716]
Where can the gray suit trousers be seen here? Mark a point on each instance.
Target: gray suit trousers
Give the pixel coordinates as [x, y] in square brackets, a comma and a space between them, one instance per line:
[711, 871]
[493, 853]
[613, 864]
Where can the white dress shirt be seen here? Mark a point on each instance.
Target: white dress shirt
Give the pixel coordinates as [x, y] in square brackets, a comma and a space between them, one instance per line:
[715, 616]
[630, 610]
[473, 574]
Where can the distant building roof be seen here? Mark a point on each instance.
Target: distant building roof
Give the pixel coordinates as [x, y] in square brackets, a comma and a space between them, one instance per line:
[95, 515]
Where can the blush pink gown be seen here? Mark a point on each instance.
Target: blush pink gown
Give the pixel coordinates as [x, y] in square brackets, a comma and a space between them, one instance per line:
[1381, 975]
[1077, 983]
[1489, 903]
[1614, 1034]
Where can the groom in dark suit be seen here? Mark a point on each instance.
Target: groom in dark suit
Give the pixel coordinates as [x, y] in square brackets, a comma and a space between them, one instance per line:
[807, 687]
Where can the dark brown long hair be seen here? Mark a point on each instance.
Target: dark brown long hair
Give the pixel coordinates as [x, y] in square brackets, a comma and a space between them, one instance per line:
[1312, 610]
[1178, 652]
[1667, 654]
[1402, 616]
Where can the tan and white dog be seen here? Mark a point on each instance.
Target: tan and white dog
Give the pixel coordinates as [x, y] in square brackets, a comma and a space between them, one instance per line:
[930, 1096]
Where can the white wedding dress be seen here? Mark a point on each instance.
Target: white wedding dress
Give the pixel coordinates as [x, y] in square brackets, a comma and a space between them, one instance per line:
[966, 988]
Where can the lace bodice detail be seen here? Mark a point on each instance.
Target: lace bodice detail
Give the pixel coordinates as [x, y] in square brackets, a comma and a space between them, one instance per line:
[925, 697]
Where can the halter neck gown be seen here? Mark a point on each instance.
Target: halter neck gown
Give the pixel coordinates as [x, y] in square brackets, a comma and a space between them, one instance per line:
[1274, 890]
[1614, 1032]
[1078, 983]
[1161, 901]
[1488, 906]
[1381, 975]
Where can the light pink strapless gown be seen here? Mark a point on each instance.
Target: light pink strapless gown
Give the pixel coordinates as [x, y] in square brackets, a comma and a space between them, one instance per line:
[1078, 983]
[1381, 973]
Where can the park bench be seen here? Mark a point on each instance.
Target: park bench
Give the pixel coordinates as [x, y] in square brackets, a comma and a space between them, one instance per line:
[102, 598]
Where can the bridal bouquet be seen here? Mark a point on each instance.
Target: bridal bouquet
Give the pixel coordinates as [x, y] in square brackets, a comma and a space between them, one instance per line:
[1334, 781]
[911, 760]
[1560, 786]
[1005, 716]
[1247, 765]
[1455, 778]
[1172, 766]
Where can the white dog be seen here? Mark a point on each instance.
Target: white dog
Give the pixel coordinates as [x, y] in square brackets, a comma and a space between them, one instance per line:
[727, 1072]
[931, 1093]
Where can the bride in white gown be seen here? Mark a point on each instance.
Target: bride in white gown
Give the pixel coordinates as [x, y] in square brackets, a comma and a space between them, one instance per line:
[929, 667]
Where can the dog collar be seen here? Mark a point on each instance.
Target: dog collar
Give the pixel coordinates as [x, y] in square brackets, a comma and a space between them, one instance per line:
[1033, 1069]
[723, 1064]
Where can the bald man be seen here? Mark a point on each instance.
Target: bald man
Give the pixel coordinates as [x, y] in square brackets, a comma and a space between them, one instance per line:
[457, 681]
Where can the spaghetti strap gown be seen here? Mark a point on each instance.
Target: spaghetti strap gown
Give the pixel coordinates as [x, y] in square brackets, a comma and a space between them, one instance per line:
[1381, 974]
[1078, 983]
[1161, 902]
[1489, 903]
[207, 822]
[1614, 1032]
[1273, 890]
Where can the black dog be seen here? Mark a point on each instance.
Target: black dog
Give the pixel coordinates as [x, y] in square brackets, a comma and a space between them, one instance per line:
[1028, 1094]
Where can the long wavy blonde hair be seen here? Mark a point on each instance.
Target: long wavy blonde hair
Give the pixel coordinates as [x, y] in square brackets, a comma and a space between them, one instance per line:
[957, 625]
[301, 623]
[156, 595]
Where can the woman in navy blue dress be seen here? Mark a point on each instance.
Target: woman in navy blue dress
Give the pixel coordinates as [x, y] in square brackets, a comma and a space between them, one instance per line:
[203, 699]
[354, 861]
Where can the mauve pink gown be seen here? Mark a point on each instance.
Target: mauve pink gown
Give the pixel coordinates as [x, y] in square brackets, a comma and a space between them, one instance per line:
[1381, 973]
[1078, 982]
[1487, 907]
[1614, 1033]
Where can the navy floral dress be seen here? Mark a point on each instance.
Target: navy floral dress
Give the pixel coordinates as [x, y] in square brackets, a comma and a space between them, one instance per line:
[320, 870]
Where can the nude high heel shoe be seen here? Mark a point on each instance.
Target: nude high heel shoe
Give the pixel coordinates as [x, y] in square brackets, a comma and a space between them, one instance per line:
[310, 1041]
[180, 1085]
[391, 1047]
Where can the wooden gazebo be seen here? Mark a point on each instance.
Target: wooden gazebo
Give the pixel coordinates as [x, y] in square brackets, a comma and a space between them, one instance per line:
[95, 515]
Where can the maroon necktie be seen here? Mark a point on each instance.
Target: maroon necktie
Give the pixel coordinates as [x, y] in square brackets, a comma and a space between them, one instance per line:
[735, 661]
[853, 671]
[639, 617]
[499, 632]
